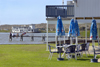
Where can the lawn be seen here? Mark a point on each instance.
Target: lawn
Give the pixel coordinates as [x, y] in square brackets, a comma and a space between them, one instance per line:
[5, 30]
[37, 56]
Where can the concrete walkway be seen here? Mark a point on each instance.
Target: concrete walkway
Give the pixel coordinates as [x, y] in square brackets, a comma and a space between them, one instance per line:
[97, 49]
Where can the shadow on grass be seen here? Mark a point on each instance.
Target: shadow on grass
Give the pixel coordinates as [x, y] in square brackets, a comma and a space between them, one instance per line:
[90, 56]
[98, 56]
[65, 60]
[86, 58]
[83, 59]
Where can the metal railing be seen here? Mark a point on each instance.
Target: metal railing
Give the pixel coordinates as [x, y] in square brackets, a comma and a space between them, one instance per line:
[62, 10]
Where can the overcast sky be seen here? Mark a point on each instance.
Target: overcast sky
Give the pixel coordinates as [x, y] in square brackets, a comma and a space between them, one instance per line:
[25, 11]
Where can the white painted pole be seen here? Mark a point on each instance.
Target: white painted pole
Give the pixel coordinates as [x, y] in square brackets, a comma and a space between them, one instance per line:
[60, 45]
[93, 44]
[64, 39]
[56, 38]
[59, 40]
[65, 34]
[86, 33]
[47, 37]
[98, 36]
[71, 41]
[74, 20]
[76, 41]
[56, 41]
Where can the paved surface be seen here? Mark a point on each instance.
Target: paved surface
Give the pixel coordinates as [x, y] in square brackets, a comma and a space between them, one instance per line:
[97, 49]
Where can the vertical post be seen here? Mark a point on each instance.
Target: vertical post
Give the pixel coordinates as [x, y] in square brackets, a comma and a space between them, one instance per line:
[47, 37]
[60, 45]
[64, 35]
[76, 41]
[75, 19]
[93, 45]
[71, 41]
[86, 33]
[56, 40]
[64, 39]
[98, 35]
[94, 59]
[56, 36]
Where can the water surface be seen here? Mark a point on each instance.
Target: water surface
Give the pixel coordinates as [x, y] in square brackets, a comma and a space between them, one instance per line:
[4, 38]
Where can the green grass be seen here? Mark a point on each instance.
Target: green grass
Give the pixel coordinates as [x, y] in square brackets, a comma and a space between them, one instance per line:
[37, 56]
[96, 44]
[48, 31]
[82, 34]
[5, 30]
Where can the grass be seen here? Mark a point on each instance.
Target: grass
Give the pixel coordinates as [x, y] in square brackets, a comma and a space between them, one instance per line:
[82, 34]
[37, 56]
[5, 30]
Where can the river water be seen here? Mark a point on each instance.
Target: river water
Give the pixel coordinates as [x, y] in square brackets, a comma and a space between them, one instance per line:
[4, 38]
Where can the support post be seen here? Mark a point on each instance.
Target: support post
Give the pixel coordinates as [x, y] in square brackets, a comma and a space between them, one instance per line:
[47, 37]
[86, 33]
[94, 59]
[64, 39]
[60, 48]
[76, 41]
[71, 40]
[56, 39]
[98, 35]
